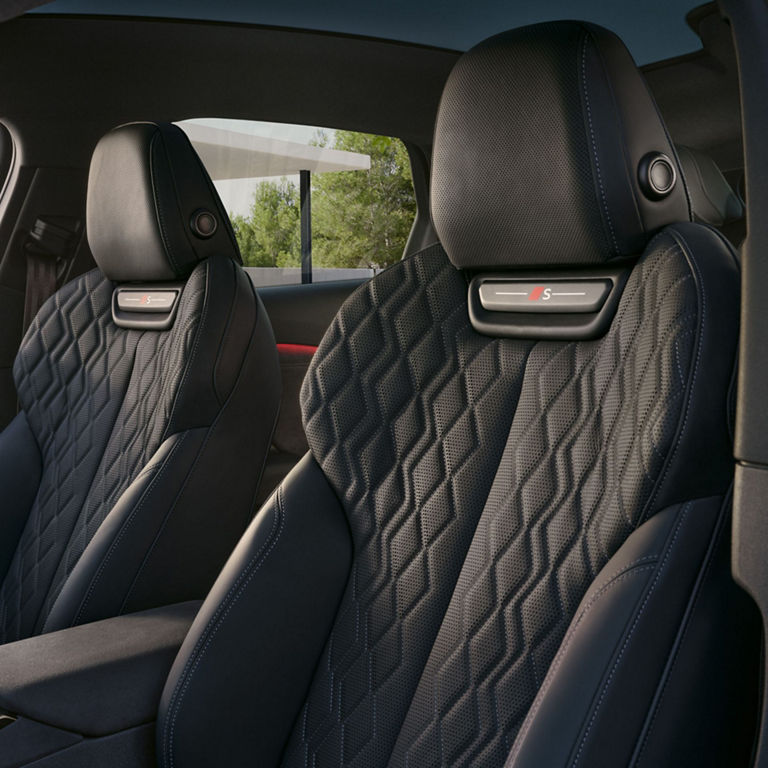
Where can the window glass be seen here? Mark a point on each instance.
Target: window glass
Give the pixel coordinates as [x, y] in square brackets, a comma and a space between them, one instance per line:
[360, 206]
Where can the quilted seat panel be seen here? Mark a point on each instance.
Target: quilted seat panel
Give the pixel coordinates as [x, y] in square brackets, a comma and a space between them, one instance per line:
[407, 411]
[594, 428]
[486, 483]
[98, 399]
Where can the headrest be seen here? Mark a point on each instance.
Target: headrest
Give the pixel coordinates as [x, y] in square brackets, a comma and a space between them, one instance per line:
[152, 210]
[549, 150]
[713, 201]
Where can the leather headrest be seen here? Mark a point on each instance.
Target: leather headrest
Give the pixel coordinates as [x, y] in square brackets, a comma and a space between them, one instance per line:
[549, 150]
[152, 210]
[713, 200]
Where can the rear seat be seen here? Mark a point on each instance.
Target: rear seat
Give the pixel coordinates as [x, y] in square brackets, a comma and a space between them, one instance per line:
[713, 200]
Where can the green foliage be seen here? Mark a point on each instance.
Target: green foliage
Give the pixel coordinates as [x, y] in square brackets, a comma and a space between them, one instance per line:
[269, 236]
[359, 218]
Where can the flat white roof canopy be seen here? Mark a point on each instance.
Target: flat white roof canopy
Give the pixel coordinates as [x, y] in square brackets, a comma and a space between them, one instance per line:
[233, 155]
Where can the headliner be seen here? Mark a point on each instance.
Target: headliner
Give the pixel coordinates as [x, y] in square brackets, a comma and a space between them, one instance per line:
[652, 29]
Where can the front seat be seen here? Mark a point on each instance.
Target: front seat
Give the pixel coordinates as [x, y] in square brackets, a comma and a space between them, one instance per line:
[508, 543]
[148, 392]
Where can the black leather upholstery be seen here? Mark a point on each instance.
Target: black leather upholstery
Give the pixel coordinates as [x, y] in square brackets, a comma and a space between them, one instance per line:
[617, 686]
[536, 526]
[20, 468]
[538, 142]
[141, 229]
[87, 696]
[78, 680]
[293, 563]
[713, 200]
[134, 462]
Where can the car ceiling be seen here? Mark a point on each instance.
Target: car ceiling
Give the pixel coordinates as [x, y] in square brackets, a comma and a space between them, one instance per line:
[109, 70]
[652, 29]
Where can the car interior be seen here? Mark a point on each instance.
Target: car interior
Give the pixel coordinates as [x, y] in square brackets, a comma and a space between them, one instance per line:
[383, 386]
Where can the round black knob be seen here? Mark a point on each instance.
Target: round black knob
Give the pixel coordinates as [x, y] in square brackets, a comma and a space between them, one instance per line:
[657, 176]
[203, 223]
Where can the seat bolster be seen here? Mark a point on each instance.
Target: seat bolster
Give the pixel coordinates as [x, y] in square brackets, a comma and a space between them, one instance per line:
[288, 571]
[103, 576]
[705, 433]
[599, 693]
[233, 327]
[20, 470]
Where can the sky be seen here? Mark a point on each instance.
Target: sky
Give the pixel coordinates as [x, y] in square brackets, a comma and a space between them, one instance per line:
[652, 29]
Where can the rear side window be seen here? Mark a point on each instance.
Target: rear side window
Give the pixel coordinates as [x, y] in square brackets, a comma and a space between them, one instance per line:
[309, 204]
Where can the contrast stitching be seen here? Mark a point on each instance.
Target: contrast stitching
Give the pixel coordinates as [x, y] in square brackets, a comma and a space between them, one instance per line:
[217, 620]
[113, 546]
[193, 355]
[594, 143]
[706, 566]
[164, 522]
[101, 320]
[625, 644]
[207, 439]
[701, 328]
[630, 570]
[619, 571]
[735, 370]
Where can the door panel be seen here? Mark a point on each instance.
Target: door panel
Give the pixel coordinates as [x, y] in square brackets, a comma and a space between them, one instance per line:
[300, 316]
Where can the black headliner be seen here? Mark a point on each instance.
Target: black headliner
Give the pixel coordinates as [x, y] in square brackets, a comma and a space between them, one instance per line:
[68, 79]
[652, 29]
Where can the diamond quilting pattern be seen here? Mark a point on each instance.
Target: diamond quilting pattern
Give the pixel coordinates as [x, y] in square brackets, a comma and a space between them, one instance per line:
[594, 425]
[158, 364]
[407, 411]
[97, 398]
[434, 663]
[70, 373]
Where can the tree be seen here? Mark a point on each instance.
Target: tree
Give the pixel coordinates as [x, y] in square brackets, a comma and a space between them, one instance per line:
[359, 218]
[269, 236]
[362, 219]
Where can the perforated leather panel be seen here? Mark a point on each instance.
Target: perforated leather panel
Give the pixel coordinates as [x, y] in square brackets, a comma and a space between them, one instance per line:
[537, 143]
[98, 399]
[486, 483]
[593, 429]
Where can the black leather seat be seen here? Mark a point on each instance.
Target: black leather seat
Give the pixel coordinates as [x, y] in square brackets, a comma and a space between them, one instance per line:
[148, 392]
[507, 544]
[713, 200]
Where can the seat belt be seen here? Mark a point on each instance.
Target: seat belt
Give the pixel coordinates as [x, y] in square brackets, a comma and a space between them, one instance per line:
[49, 249]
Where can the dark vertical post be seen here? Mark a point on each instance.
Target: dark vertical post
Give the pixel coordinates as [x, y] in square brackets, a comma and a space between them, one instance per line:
[749, 25]
[305, 194]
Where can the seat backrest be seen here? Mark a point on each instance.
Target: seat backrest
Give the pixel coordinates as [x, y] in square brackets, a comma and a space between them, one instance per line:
[148, 393]
[519, 465]
[713, 200]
